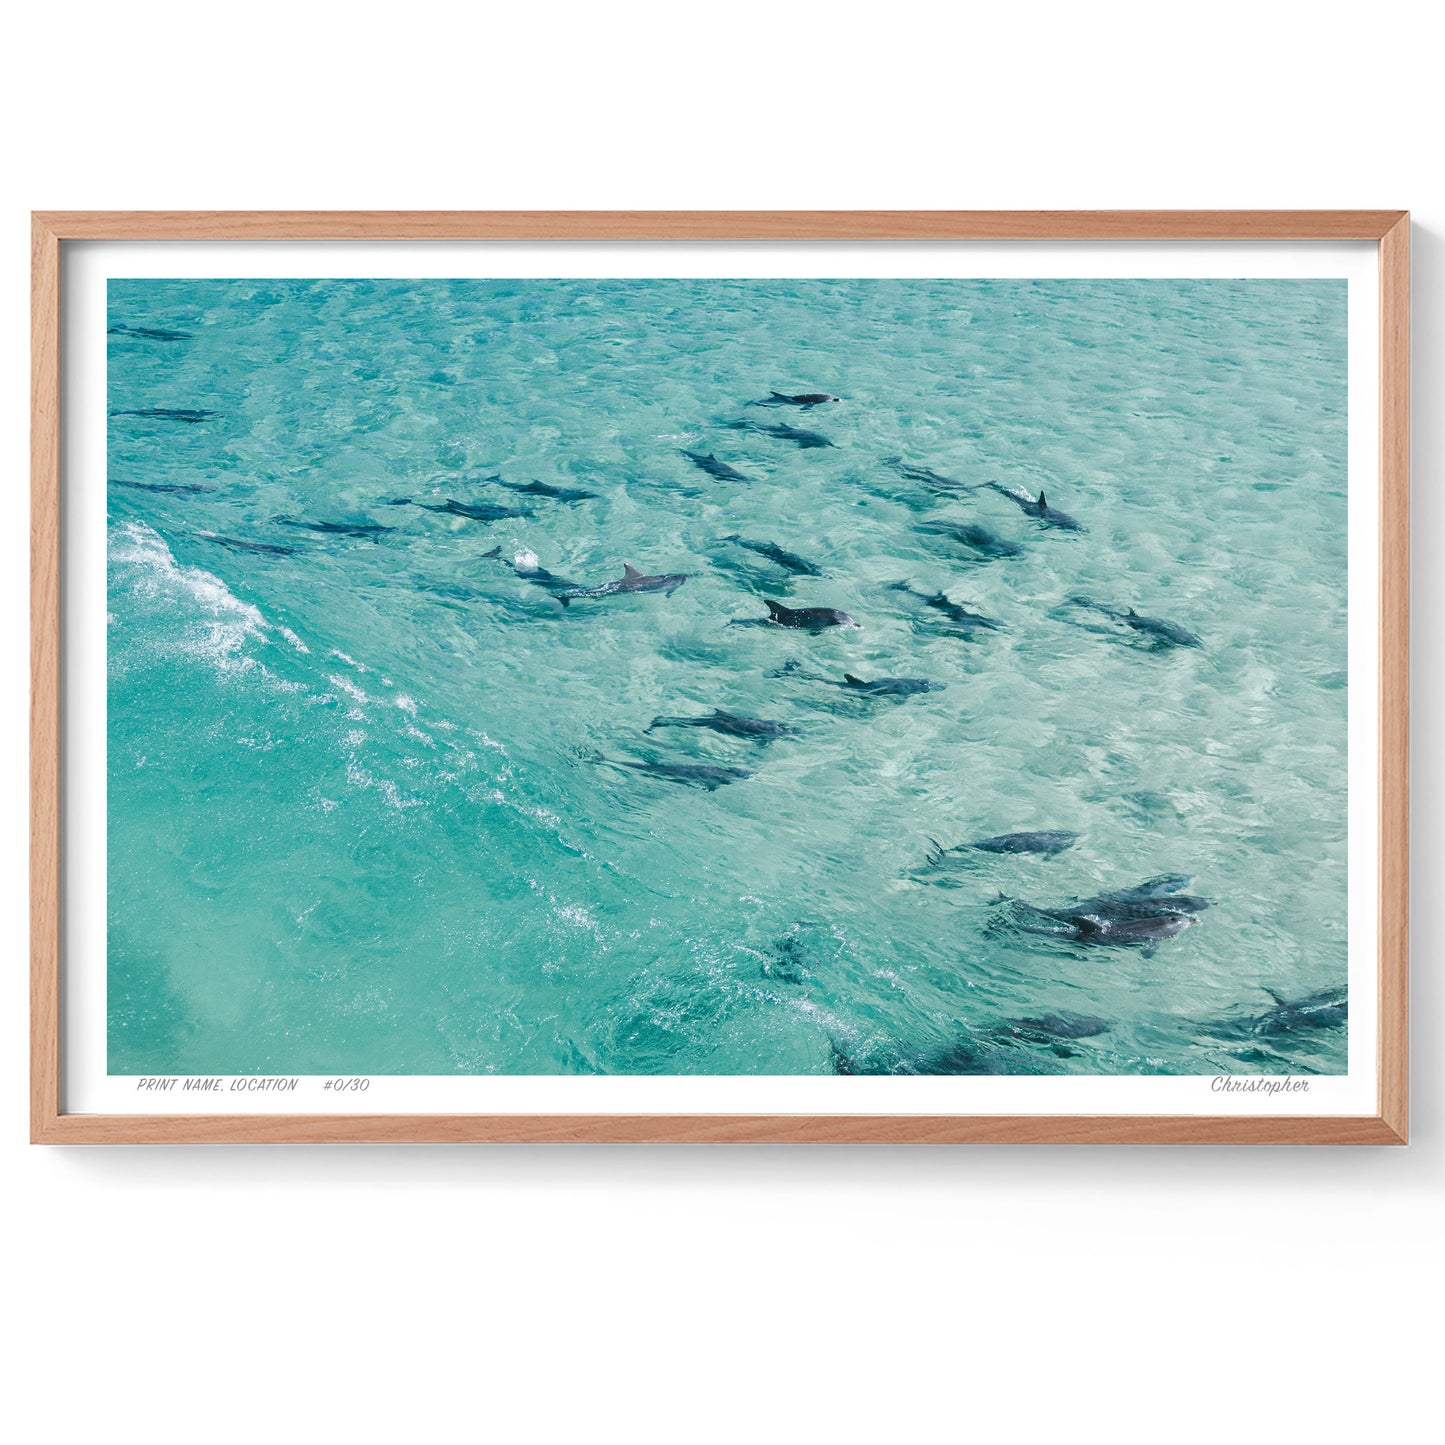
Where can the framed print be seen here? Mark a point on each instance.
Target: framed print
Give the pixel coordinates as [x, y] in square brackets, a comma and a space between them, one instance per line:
[720, 677]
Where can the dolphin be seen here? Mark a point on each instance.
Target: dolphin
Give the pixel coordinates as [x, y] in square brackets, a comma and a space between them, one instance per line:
[340, 529]
[807, 400]
[1324, 1010]
[977, 539]
[475, 511]
[800, 435]
[1161, 633]
[170, 413]
[959, 1058]
[943, 861]
[1130, 931]
[631, 581]
[699, 775]
[1160, 887]
[1318, 1011]
[730, 723]
[788, 561]
[545, 489]
[930, 478]
[1156, 898]
[238, 544]
[1146, 915]
[1039, 510]
[538, 576]
[1045, 842]
[184, 489]
[715, 468]
[879, 687]
[955, 612]
[788, 963]
[148, 333]
[809, 619]
[1060, 1025]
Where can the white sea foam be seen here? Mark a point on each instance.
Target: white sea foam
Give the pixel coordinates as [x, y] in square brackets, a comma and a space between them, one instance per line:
[226, 624]
[348, 687]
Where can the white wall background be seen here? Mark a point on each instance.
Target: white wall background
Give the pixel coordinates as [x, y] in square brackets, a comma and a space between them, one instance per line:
[306, 1294]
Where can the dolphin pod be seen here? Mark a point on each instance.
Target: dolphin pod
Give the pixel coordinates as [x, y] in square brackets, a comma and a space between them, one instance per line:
[1139, 917]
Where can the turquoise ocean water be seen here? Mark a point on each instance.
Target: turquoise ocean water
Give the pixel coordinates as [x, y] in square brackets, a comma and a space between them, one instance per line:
[365, 811]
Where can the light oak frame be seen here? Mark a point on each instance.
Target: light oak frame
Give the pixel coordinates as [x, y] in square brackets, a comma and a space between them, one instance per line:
[1390, 230]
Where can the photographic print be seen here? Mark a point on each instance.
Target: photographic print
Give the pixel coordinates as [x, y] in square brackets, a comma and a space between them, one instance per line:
[727, 676]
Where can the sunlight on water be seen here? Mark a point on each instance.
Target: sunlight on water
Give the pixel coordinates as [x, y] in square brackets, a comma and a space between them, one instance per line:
[383, 803]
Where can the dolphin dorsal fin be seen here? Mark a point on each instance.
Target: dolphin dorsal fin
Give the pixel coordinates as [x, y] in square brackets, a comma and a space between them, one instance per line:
[1280, 1002]
[1131, 613]
[1042, 501]
[853, 681]
[776, 609]
[629, 572]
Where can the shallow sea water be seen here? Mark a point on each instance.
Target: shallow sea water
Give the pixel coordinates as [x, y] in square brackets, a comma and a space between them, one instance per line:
[359, 815]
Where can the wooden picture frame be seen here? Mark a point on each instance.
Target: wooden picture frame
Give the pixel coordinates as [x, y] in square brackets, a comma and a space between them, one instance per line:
[53, 232]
